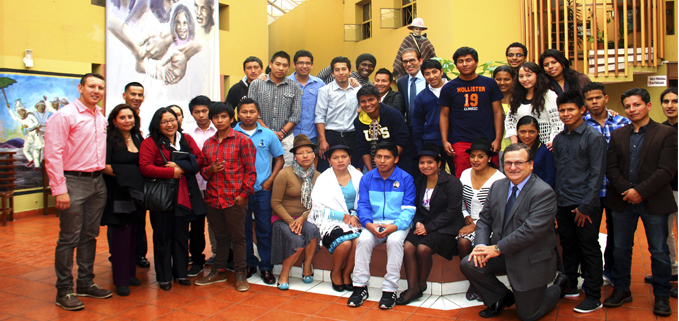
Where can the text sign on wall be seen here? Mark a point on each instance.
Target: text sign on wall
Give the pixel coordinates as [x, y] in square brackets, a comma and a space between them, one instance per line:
[657, 81]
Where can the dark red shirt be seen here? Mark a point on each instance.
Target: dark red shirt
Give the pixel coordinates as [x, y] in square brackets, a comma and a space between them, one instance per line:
[239, 175]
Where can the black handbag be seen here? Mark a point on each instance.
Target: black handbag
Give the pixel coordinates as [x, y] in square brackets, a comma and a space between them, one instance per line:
[159, 193]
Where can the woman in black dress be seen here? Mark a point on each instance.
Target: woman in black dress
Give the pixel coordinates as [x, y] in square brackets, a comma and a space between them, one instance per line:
[125, 194]
[437, 220]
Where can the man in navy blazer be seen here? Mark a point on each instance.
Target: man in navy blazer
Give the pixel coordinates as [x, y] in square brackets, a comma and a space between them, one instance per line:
[411, 62]
[515, 236]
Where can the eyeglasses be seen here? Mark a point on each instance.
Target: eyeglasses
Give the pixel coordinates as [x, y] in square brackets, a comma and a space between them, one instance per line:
[304, 63]
[512, 55]
[171, 121]
[303, 153]
[518, 164]
[409, 61]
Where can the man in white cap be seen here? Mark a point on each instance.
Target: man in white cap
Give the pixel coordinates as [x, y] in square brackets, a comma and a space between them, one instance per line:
[416, 39]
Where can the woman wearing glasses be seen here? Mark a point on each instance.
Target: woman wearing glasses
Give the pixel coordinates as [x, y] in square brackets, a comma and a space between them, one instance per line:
[171, 228]
[291, 234]
[476, 182]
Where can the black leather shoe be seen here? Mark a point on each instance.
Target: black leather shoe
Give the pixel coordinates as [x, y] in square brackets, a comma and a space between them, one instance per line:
[134, 281]
[498, 307]
[662, 306]
[268, 277]
[184, 282]
[165, 285]
[563, 282]
[250, 271]
[403, 301]
[142, 262]
[336, 287]
[617, 298]
[123, 290]
[350, 287]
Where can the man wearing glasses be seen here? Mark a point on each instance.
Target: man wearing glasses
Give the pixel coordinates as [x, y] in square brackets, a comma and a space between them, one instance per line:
[515, 236]
[310, 85]
[516, 55]
[411, 85]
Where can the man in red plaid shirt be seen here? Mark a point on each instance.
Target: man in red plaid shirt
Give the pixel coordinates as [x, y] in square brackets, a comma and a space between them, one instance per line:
[230, 180]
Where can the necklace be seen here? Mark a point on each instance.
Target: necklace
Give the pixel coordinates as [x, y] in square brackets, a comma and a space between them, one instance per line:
[127, 139]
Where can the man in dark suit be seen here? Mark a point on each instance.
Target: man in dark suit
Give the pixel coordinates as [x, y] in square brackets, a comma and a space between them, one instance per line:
[411, 84]
[642, 160]
[519, 214]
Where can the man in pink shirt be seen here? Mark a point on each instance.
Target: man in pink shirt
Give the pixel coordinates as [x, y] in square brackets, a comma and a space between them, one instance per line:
[75, 155]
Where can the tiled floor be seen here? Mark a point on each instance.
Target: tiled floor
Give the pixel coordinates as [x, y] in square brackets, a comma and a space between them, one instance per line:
[27, 292]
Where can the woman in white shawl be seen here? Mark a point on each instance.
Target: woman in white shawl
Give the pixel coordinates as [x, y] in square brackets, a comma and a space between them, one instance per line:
[335, 197]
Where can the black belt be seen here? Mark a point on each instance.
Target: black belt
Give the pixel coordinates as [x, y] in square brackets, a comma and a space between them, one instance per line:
[83, 174]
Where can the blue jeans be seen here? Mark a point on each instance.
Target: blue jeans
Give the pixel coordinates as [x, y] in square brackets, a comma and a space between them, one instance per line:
[259, 205]
[625, 224]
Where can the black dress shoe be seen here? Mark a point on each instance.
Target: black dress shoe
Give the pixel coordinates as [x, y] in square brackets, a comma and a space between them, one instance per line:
[349, 287]
[250, 271]
[498, 307]
[617, 298]
[165, 285]
[134, 281]
[268, 277]
[184, 282]
[563, 282]
[123, 290]
[142, 262]
[662, 307]
[403, 301]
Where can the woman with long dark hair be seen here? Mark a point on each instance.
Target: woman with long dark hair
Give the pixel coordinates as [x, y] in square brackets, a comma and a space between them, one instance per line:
[531, 95]
[124, 208]
[504, 76]
[171, 228]
[543, 160]
[558, 69]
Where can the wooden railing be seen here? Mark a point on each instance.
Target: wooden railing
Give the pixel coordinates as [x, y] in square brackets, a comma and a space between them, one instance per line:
[599, 37]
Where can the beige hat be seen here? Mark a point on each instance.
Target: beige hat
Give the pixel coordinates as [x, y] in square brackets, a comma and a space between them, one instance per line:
[417, 22]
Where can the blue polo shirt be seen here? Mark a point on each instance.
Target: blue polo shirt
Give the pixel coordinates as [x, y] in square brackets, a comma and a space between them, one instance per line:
[268, 147]
[307, 124]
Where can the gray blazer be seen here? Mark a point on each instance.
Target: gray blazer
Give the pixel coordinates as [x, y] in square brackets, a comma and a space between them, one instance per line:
[528, 240]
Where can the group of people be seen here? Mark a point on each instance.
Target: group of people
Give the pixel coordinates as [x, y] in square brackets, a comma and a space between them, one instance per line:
[477, 167]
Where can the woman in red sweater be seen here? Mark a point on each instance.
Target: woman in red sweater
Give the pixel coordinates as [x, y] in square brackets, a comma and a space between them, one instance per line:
[171, 228]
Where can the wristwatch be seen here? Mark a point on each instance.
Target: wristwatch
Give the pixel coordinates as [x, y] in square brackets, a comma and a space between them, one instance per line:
[497, 249]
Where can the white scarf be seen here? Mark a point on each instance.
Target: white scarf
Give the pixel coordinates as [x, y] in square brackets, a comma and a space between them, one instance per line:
[326, 196]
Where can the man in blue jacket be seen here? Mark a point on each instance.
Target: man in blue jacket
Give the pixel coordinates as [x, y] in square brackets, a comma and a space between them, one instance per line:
[386, 206]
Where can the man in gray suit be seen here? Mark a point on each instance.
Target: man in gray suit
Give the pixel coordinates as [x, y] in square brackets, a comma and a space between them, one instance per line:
[515, 236]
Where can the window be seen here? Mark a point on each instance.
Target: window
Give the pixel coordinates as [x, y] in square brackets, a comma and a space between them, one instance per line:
[408, 11]
[366, 26]
[224, 17]
[390, 18]
[101, 3]
[669, 18]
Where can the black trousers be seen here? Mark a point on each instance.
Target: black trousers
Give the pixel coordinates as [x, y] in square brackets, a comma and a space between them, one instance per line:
[170, 245]
[142, 245]
[123, 241]
[197, 240]
[581, 249]
[350, 139]
[530, 305]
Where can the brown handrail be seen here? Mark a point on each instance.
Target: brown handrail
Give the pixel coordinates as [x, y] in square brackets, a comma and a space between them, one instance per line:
[617, 40]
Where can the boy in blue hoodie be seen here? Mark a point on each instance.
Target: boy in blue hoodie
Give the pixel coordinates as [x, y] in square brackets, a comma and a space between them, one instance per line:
[386, 206]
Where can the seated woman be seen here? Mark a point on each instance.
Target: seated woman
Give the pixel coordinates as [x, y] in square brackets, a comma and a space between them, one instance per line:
[437, 220]
[334, 198]
[171, 228]
[125, 194]
[476, 182]
[528, 129]
[291, 203]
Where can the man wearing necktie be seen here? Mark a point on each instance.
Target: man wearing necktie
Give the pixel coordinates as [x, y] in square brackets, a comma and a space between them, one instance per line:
[515, 236]
[413, 83]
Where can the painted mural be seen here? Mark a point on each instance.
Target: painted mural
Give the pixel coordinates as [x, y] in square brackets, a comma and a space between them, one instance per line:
[171, 47]
[28, 101]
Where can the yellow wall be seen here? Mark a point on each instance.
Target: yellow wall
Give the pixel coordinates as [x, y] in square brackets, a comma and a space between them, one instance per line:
[318, 26]
[68, 36]
[247, 36]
